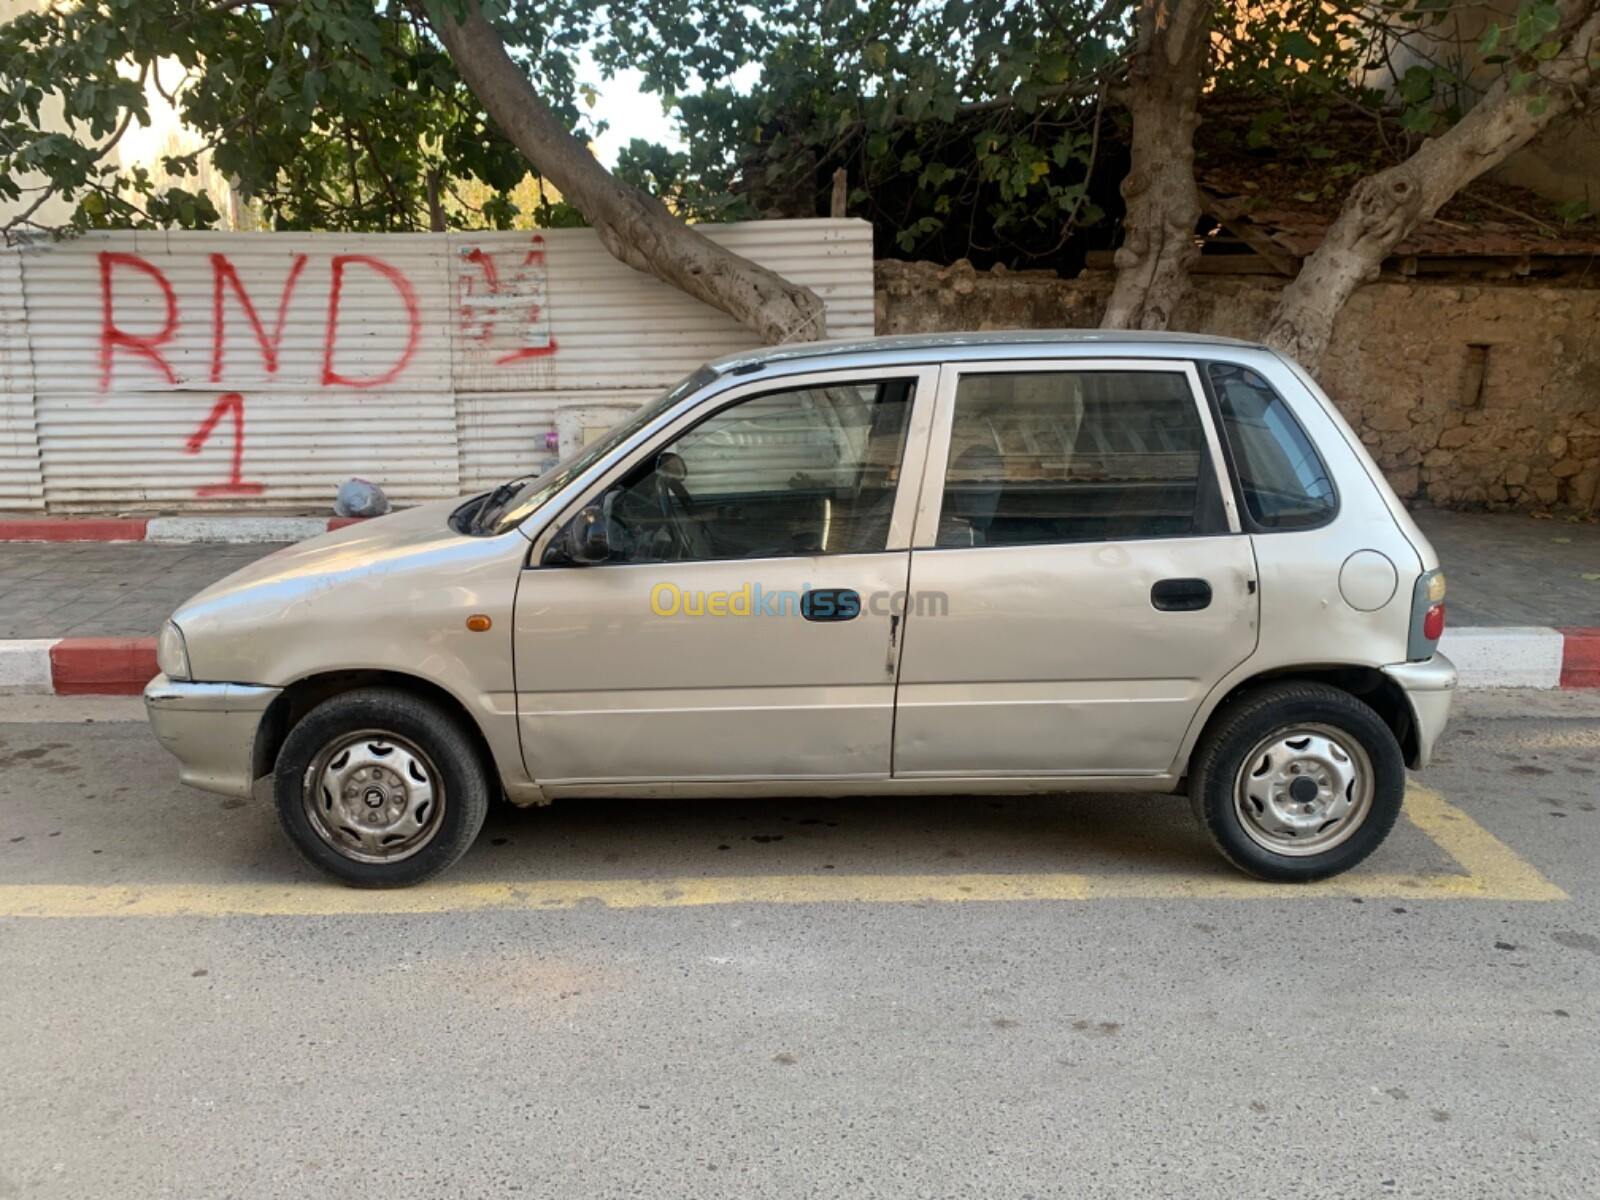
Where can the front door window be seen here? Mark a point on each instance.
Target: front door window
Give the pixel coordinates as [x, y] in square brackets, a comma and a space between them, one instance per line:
[802, 471]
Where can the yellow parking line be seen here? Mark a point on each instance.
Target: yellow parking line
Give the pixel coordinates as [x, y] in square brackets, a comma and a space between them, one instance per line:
[1493, 869]
[1493, 872]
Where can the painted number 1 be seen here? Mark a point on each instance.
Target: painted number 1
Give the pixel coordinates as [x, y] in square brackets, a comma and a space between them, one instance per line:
[232, 403]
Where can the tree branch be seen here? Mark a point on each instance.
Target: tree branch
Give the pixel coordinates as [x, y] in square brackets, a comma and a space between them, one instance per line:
[1384, 208]
[635, 227]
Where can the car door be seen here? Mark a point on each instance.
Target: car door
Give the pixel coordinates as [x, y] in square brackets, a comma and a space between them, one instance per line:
[740, 628]
[1079, 579]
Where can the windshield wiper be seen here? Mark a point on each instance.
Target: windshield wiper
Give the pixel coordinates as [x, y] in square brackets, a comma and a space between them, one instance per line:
[495, 499]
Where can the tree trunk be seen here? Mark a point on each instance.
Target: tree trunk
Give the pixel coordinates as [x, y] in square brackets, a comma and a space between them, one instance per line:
[1163, 204]
[1383, 208]
[637, 228]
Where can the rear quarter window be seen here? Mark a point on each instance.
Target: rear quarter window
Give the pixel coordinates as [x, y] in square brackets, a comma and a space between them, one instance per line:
[1282, 479]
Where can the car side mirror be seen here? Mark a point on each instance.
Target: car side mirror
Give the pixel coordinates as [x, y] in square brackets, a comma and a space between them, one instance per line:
[585, 540]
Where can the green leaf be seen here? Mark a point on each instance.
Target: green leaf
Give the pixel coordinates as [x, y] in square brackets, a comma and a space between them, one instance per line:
[1418, 119]
[1539, 105]
[1261, 128]
[1298, 46]
[1534, 21]
[1416, 85]
[1490, 41]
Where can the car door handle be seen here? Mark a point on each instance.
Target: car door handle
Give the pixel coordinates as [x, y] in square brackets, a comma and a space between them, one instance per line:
[830, 604]
[1181, 595]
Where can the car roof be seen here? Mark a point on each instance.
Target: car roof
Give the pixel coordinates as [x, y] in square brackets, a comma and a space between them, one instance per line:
[955, 347]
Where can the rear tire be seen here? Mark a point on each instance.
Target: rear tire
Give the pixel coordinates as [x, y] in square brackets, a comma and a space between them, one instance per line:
[1297, 782]
[379, 788]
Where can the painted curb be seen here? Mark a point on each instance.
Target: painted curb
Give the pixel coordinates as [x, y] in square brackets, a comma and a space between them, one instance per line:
[1580, 662]
[53, 529]
[170, 531]
[102, 666]
[25, 667]
[238, 531]
[1514, 656]
[1486, 656]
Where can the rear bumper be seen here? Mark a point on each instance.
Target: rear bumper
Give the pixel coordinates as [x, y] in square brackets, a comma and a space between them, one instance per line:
[210, 728]
[1429, 686]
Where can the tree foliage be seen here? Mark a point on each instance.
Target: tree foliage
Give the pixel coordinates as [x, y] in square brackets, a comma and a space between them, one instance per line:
[967, 124]
[1310, 73]
[325, 114]
[338, 114]
[990, 129]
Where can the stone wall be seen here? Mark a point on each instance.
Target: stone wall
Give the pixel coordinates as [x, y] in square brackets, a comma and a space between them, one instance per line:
[1466, 394]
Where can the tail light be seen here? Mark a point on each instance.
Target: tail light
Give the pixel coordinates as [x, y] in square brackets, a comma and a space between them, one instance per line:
[1427, 615]
[1433, 622]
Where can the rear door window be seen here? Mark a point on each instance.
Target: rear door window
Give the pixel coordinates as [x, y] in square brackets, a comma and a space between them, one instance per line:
[1076, 456]
[1282, 478]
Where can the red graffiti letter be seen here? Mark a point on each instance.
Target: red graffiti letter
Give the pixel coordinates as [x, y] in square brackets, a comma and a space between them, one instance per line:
[491, 277]
[232, 403]
[332, 378]
[222, 271]
[142, 344]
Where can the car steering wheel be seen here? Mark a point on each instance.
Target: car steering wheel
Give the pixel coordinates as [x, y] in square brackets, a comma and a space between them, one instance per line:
[674, 501]
[672, 498]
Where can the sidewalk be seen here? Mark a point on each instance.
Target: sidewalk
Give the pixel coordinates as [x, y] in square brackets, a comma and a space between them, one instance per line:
[1508, 569]
[1521, 611]
[92, 589]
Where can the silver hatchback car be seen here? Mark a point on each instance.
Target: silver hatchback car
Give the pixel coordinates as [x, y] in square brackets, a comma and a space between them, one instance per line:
[976, 564]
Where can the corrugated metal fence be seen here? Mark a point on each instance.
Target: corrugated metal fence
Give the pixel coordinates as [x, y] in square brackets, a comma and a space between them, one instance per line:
[180, 371]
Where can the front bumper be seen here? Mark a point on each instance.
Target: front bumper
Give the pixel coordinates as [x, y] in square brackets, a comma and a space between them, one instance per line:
[1429, 686]
[211, 729]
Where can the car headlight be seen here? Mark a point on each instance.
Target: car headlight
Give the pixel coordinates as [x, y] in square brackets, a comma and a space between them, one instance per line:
[172, 656]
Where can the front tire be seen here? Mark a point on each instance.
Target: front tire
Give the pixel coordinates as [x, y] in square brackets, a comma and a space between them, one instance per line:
[379, 788]
[1297, 782]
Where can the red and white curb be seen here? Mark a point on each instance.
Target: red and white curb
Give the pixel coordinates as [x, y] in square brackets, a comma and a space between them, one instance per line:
[1487, 656]
[76, 666]
[1524, 656]
[169, 531]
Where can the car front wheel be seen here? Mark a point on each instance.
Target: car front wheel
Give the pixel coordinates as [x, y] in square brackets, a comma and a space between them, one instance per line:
[1297, 782]
[379, 788]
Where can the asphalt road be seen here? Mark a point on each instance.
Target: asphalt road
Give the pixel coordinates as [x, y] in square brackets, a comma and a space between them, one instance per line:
[662, 1000]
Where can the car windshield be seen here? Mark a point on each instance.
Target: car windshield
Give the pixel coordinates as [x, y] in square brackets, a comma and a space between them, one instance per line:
[514, 501]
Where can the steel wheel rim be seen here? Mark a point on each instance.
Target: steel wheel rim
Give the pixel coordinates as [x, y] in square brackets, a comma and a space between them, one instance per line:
[1273, 793]
[373, 797]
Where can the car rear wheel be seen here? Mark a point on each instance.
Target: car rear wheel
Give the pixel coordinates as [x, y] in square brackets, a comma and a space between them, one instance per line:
[379, 788]
[1297, 782]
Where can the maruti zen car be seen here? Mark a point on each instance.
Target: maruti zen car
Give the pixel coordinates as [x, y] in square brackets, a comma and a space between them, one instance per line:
[967, 564]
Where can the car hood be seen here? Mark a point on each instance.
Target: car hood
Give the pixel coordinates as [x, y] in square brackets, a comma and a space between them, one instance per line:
[367, 548]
